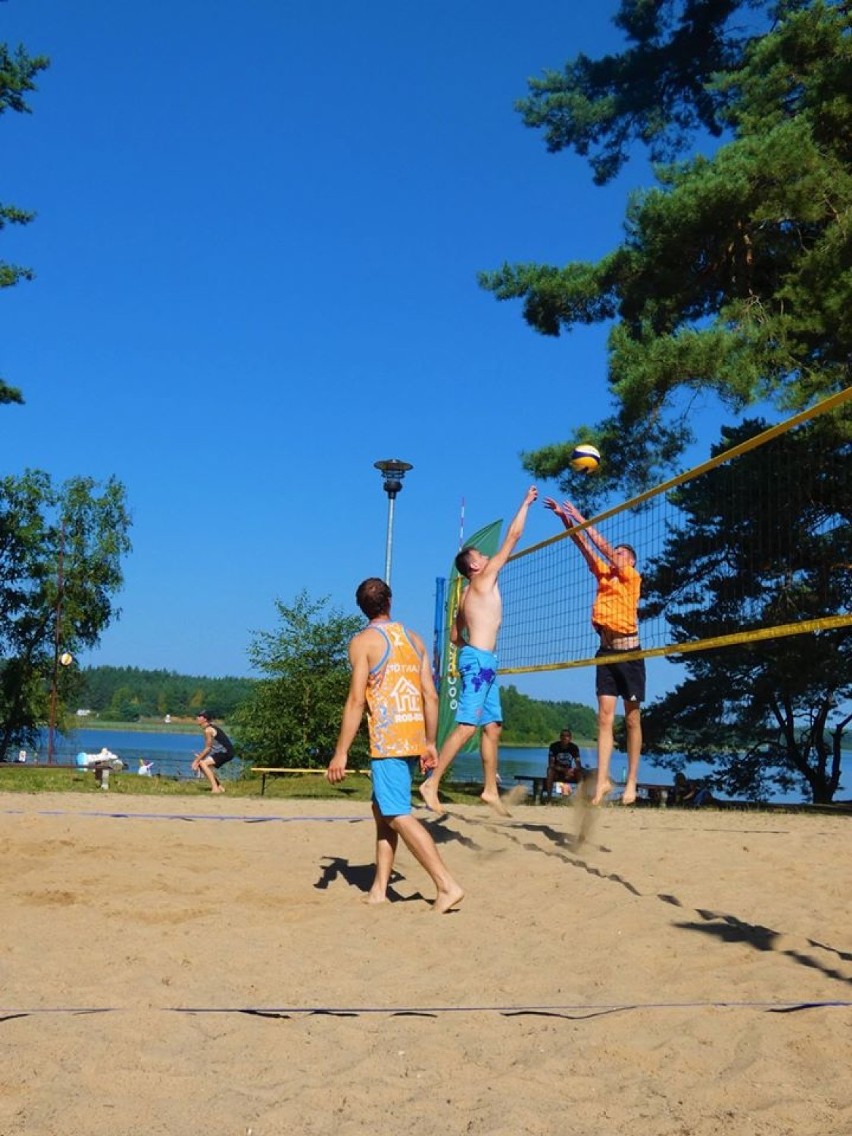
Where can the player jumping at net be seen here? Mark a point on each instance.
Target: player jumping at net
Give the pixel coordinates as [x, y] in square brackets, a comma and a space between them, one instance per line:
[474, 634]
[615, 618]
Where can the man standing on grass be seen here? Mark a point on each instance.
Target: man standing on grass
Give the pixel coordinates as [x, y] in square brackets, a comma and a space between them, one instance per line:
[392, 679]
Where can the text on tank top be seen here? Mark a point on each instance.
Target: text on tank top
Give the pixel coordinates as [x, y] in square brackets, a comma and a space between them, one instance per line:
[394, 699]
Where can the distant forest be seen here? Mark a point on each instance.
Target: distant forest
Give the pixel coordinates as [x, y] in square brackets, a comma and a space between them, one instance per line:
[126, 694]
[528, 721]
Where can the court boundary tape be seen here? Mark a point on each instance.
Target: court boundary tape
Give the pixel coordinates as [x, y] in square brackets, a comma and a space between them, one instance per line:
[573, 1011]
[181, 816]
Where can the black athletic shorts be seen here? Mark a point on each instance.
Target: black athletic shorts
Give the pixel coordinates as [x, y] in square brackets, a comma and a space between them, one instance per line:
[622, 680]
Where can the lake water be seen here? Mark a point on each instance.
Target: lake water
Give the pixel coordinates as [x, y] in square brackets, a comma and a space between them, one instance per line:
[534, 761]
[172, 756]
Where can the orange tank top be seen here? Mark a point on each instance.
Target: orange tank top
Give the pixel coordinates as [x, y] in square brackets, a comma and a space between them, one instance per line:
[616, 604]
[394, 701]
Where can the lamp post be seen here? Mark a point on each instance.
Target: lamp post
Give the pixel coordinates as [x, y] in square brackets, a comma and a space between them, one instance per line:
[393, 471]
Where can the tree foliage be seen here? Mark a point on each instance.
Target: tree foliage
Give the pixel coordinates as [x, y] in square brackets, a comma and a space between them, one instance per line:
[763, 714]
[659, 91]
[531, 721]
[61, 550]
[124, 694]
[292, 716]
[735, 275]
[18, 72]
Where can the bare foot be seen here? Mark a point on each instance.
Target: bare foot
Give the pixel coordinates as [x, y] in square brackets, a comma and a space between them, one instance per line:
[628, 797]
[601, 791]
[372, 899]
[444, 900]
[220, 789]
[495, 802]
[430, 797]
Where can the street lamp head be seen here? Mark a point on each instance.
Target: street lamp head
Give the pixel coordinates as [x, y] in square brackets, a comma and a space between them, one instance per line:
[393, 471]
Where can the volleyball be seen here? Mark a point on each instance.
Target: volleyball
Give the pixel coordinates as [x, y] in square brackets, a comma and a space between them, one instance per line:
[585, 459]
[66, 659]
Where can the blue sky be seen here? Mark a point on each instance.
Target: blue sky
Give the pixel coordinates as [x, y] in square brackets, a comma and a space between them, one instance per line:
[258, 233]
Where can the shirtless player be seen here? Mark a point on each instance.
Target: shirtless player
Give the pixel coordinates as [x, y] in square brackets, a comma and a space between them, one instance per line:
[474, 634]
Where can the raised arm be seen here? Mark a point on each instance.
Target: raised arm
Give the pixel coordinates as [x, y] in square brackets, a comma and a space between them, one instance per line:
[588, 540]
[513, 535]
[570, 518]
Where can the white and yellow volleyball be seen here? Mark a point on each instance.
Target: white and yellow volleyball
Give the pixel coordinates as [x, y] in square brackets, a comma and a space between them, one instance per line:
[585, 459]
[66, 659]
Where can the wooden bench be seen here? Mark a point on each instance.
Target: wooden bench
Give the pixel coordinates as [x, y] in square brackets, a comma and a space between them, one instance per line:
[539, 781]
[648, 792]
[282, 771]
[654, 794]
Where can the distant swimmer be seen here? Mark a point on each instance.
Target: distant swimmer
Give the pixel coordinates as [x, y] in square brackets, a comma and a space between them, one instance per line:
[475, 635]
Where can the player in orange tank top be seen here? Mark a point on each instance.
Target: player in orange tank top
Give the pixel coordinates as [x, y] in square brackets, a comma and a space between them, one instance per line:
[615, 616]
[391, 678]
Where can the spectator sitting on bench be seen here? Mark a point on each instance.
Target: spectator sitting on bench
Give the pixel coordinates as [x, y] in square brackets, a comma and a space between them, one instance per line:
[691, 793]
[563, 763]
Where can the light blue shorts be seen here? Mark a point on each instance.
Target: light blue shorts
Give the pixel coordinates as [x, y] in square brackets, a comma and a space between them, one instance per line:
[479, 700]
[392, 784]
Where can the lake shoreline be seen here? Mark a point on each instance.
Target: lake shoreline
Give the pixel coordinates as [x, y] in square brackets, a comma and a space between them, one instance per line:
[147, 726]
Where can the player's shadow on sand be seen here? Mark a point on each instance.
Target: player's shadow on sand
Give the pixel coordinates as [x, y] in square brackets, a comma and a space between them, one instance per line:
[731, 929]
[571, 842]
[359, 876]
[441, 834]
[726, 928]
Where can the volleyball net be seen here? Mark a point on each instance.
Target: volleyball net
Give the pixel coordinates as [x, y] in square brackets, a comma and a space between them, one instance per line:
[754, 544]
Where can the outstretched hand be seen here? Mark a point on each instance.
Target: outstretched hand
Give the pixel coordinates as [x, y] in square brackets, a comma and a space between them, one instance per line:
[572, 513]
[568, 513]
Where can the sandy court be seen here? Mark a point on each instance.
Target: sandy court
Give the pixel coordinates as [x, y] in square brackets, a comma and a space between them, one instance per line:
[678, 973]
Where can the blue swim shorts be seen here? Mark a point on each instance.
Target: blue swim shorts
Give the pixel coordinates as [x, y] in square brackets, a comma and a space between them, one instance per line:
[479, 700]
[392, 784]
